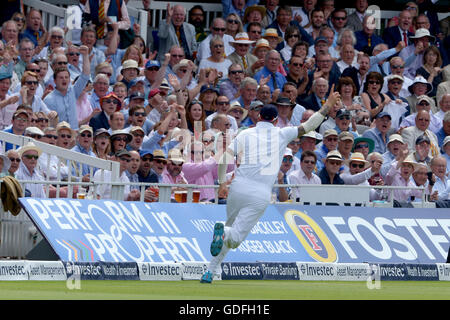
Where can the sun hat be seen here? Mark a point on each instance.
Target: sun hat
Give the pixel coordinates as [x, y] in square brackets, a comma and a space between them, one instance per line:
[175, 156]
[420, 79]
[111, 95]
[330, 132]
[422, 32]
[63, 125]
[120, 132]
[29, 146]
[237, 106]
[358, 157]
[254, 7]
[130, 64]
[334, 155]
[364, 139]
[396, 137]
[243, 38]
[345, 135]
[272, 32]
[85, 127]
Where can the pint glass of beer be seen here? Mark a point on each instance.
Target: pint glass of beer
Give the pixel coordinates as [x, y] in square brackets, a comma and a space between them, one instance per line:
[181, 196]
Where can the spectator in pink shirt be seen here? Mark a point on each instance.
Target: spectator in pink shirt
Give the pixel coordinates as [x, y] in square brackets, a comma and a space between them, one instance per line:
[173, 174]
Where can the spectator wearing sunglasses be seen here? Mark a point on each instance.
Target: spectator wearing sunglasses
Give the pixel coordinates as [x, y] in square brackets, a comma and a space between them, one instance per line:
[305, 174]
[73, 59]
[119, 140]
[218, 28]
[103, 191]
[15, 160]
[343, 121]
[137, 117]
[20, 121]
[49, 168]
[84, 146]
[330, 173]
[28, 169]
[426, 103]
[56, 40]
[109, 104]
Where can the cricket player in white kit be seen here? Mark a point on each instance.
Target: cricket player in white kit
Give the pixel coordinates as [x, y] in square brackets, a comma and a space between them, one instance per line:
[259, 152]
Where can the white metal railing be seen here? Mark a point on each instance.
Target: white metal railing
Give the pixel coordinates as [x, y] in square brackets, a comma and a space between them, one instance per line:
[73, 160]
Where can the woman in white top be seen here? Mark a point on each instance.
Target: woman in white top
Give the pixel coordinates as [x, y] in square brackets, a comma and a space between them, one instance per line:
[217, 59]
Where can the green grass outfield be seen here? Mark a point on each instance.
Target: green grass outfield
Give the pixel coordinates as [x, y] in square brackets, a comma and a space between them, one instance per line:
[224, 290]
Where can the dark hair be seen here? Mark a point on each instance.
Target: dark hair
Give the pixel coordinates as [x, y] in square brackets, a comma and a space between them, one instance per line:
[133, 109]
[58, 71]
[252, 24]
[308, 153]
[299, 44]
[346, 80]
[338, 10]
[291, 30]
[373, 75]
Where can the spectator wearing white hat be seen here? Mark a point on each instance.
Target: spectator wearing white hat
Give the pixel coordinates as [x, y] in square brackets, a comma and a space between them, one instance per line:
[394, 146]
[424, 102]
[330, 173]
[397, 68]
[242, 55]
[419, 87]
[413, 54]
[28, 169]
[84, 146]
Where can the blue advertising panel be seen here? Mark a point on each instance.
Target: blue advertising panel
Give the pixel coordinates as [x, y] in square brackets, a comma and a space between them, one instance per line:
[374, 235]
[118, 231]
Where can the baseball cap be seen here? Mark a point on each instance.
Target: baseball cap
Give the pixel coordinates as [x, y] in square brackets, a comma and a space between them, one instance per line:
[345, 135]
[395, 137]
[342, 113]
[34, 130]
[383, 114]
[137, 95]
[422, 138]
[153, 93]
[256, 104]
[319, 39]
[152, 63]
[446, 140]
[123, 152]
[209, 87]
[283, 101]
[145, 152]
[268, 112]
[288, 153]
[330, 132]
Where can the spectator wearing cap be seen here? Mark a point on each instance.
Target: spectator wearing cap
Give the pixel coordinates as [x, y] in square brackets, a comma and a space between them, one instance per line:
[65, 135]
[413, 54]
[329, 143]
[410, 134]
[119, 140]
[64, 97]
[360, 170]
[419, 87]
[238, 113]
[253, 114]
[330, 172]
[20, 121]
[270, 70]
[217, 28]
[284, 107]
[132, 168]
[305, 174]
[343, 121]
[159, 164]
[28, 169]
[109, 104]
[130, 70]
[230, 87]
[184, 70]
[345, 146]
[84, 145]
[138, 137]
[173, 173]
[395, 146]
[322, 44]
[144, 172]
[424, 102]
[379, 133]
[394, 87]
[136, 99]
[103, 191]
[101, 146]
[242, 54]
[421, 153]
[400, 175]
[152, 74]
[208, 97]
[286, 165]
[100, 89]
[363, 145]
[176, 32]
[34, 132]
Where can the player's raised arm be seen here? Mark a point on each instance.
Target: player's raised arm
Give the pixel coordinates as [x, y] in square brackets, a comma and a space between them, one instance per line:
[317, 118]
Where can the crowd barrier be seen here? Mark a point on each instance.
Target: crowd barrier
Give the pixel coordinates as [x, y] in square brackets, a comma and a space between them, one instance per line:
[372, 273]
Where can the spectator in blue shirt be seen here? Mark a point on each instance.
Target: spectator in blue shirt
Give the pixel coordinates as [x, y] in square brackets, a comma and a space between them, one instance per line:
[63, 99]
[33, 30]
[237, 6]
[270, 69]
[379, 133]
[84, 146]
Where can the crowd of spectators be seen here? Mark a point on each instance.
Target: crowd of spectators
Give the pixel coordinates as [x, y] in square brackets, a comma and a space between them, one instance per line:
[166, 107]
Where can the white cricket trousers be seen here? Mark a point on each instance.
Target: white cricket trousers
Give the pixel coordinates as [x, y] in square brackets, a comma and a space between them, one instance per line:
[246, 203]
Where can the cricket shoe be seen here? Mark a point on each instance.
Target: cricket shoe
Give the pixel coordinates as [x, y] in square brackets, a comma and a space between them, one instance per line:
[219, 235]
[207, 277]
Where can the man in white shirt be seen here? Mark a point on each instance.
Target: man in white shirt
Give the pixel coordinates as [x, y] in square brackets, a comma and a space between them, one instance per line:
[304, 175]
[103, 191]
